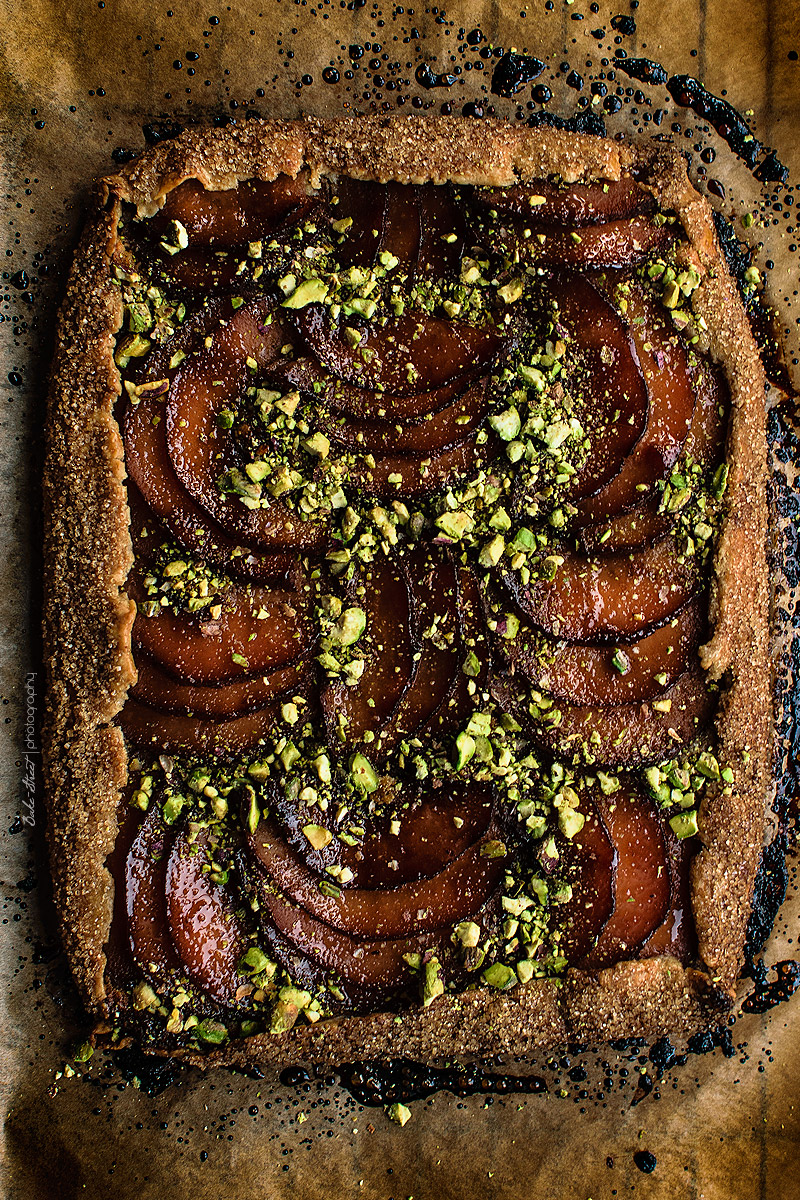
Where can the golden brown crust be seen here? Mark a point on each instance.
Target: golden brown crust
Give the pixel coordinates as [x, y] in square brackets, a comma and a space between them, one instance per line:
[87, 616]
[89, 652]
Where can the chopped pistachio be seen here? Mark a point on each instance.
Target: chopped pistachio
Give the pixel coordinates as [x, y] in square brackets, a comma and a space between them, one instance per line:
[500, 976]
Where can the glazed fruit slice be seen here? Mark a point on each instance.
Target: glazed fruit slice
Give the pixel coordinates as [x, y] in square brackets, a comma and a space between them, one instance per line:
[579, 204]
[671, 392]
[587, 863]
[443, 233]
[157, 689]
[201, 451]
[473, 661]
[363, 203]
[625, 735]
[151, 942]
[604, 379]
[152, 728]
[388, 647]
[676, 934]
[373, 963]
[150, 468]
[421, 475]
[703, 445]
[642, 880]
[433, 433]
[258, 630]
[433, 587]
[407, 354]
[607, 599]
[434, 829]
[419, 906]
[363, 403]
[616, 244]
[232, 217]
[602, 675]
[206, 929]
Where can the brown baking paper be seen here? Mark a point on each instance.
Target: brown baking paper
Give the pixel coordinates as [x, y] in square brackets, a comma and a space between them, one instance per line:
[79, 82]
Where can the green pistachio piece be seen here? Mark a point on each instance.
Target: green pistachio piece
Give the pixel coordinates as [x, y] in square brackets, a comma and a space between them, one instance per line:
[349, 627]
[363, 774]
[432, 984]
[468, 933]
[510, 292]
[570, 822]
[707, 765]
[212, 1032]
[398, 1113]
[318, 836]
[465, 748]
[310, 291]
[455, 525]
[500, 976]
[506, 424]
[255, 962]
[492, 551]
[684, 825]
[317, 445]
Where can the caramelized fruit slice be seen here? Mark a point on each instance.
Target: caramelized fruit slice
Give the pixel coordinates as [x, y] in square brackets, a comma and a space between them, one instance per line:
[579, 204]
[388, 648]
[368, 963]
[433, 583]
[404, 475]
[671, 392]
[428, 435]
[434, 829]
[459, 890]
[625, 735]
[588, 864]
[364, 203]
[703, 445]
[610, 598]
[474, 655]
[433, 587]
[405, 355]
[401, 226]
[158, 689]
[365, 404]
[145, 881]
[201, 452]
[676, 934]
[605, 675]
[606, 382]
[207, 931]
[608, 244]
[150, 727]
[443, 232]
[259, 630]
[151, 470]
[642, 882]
[232, 217]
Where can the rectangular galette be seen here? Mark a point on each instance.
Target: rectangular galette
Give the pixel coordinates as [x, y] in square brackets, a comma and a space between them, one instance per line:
[407, 611]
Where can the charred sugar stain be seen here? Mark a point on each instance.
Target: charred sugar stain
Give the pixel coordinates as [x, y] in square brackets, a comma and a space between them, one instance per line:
[513, 71]
[644, 70]
[427, 78]
[624, 25]
[645, 1161]
[160, 131]
[729, 124]
[379, 1084]
[767, 995]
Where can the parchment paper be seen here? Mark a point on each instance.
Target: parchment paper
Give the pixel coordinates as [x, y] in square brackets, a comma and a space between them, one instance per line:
[80, 81]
